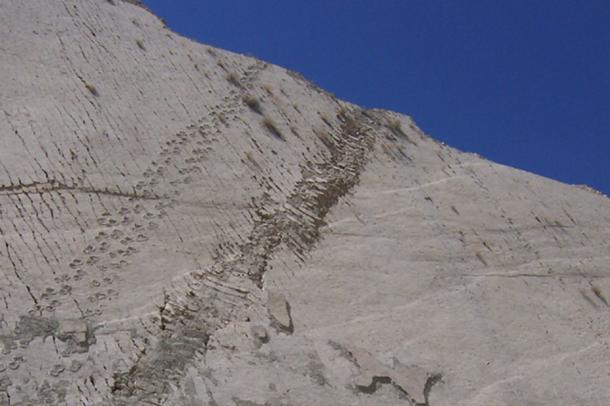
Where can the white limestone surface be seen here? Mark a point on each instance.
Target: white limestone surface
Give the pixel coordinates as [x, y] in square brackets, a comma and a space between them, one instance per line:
[182, 225]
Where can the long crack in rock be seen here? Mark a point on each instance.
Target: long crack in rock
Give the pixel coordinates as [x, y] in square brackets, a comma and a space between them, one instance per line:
[188, 321]
[183, 225]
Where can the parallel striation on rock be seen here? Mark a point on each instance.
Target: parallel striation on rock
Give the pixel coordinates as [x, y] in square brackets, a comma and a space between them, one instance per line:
[182, 225]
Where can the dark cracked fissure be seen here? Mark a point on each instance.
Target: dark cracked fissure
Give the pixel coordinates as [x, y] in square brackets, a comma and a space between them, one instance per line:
[378, 381]
[296, 225]
[53, 185]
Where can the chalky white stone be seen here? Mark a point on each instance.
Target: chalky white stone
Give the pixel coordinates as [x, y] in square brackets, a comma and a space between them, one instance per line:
[182, 225]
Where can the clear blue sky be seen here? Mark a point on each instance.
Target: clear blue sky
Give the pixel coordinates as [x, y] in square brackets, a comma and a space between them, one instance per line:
[522, 82]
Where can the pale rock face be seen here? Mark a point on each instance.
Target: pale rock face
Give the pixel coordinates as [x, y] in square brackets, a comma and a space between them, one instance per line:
[183, 226]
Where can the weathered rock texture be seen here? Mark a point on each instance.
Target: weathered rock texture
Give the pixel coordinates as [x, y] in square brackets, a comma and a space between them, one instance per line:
[182, 225]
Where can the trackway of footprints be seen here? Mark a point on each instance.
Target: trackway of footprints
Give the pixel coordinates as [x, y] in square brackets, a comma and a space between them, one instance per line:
[122, 233]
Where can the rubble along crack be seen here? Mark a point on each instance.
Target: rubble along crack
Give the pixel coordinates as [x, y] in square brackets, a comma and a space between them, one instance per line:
[190, 320]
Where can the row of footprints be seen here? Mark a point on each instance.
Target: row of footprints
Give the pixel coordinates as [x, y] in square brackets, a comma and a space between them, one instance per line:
[122, 232]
